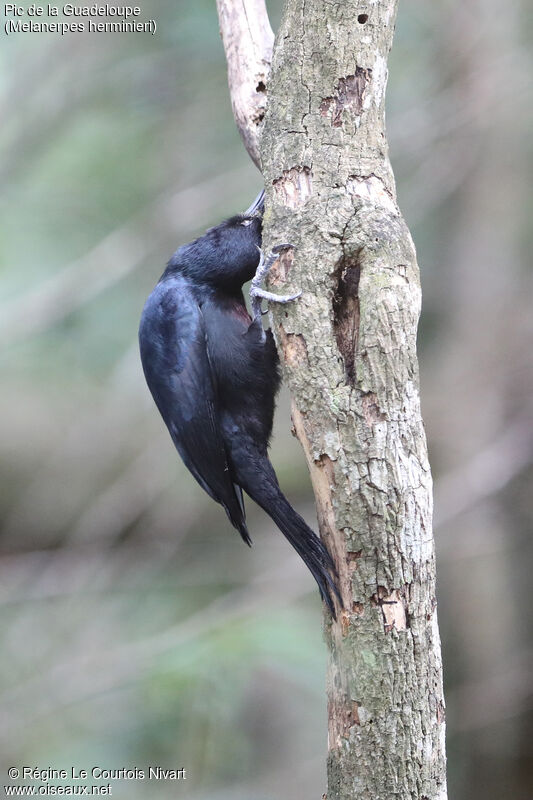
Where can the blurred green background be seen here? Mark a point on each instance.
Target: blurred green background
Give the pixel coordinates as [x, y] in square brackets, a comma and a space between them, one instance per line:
[135, 627]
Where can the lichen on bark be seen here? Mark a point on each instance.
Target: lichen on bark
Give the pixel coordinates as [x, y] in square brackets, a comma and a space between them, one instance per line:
[348, 349]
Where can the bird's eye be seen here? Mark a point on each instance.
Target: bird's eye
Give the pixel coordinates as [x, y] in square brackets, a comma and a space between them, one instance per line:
[246, 222]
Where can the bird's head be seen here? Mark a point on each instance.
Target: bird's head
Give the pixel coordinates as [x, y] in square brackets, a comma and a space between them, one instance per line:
[228, 254]
[237, 240]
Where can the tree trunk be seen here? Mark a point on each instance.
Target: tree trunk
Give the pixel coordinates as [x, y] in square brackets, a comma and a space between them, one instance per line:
[349, 353]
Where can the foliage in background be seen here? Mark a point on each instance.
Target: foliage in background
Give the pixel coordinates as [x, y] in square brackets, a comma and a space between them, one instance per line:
[135, 627]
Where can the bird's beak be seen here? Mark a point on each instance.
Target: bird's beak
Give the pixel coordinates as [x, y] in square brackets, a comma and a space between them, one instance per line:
[257, 207]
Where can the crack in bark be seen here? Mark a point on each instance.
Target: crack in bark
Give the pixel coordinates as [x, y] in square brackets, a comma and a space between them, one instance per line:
[393, 607]
[348, 96]
[294, 187]
[344, 717]
[279, 271]
[294, 348]
[346, 313]
[371, 410]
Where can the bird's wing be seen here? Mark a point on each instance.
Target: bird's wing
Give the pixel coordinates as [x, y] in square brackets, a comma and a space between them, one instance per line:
[177, 370]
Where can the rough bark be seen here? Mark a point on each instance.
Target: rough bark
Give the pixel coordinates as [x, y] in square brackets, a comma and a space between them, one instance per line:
[349, 352]
[248, 40]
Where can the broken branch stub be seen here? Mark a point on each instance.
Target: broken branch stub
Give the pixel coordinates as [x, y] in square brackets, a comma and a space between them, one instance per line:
[248, 41]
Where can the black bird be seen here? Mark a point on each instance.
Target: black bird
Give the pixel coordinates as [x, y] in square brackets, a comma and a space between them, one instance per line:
[214, 374]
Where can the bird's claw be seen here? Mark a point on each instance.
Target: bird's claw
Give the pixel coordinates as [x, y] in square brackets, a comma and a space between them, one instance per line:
[283, 246]
[263, 294]
[257, 293]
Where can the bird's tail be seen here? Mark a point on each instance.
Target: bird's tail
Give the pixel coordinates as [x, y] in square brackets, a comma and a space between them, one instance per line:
[307, 544]
[237, 515]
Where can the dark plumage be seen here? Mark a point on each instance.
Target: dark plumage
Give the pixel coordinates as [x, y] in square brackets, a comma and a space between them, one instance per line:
[214, 376]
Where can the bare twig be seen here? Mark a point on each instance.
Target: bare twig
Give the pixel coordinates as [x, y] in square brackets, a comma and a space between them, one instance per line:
[248, 40]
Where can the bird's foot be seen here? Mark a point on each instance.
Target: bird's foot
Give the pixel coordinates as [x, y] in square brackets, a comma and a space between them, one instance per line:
[257, 293]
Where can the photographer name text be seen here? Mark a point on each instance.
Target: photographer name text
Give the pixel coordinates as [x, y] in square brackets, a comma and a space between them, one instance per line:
[48, 774]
